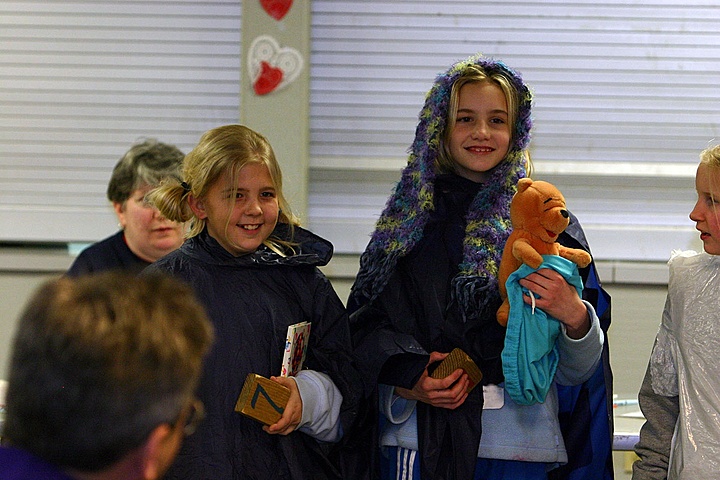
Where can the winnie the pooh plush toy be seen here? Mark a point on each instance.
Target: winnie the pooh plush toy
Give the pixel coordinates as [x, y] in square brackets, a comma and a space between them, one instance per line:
[538, 215]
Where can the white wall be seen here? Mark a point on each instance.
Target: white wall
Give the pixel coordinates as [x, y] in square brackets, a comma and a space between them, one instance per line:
[21, 272]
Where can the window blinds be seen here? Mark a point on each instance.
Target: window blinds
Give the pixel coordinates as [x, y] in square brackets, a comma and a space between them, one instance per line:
[82, 81]
[626, 96]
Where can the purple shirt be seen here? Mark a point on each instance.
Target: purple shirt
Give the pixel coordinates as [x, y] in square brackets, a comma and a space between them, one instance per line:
[18, 464]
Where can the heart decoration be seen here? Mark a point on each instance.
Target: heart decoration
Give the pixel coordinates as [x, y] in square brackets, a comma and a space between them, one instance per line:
[271, 67]
[276, 8]
[268, 80]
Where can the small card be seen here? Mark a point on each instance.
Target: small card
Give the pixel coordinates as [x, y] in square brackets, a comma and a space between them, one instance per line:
[494, 397]
[298, 336]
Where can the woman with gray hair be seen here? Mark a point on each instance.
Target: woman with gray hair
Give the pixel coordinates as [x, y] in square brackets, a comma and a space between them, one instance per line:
[145, 235]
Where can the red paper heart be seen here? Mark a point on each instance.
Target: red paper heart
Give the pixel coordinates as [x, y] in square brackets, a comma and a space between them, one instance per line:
[268, 80]
[276, 8]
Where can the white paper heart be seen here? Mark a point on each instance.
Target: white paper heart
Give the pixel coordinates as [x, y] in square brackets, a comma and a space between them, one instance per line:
[266, 49]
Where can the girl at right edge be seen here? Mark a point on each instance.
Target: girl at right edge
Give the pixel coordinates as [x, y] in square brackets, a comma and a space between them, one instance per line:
[680, 395]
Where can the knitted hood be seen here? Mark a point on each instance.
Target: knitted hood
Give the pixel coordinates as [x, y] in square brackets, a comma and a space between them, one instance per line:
[406, 213]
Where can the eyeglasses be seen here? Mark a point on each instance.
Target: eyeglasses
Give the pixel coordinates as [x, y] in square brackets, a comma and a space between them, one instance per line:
[194, 413]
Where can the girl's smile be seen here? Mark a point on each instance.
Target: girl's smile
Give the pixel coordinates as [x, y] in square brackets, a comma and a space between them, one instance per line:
[241, 216]
[480, 138]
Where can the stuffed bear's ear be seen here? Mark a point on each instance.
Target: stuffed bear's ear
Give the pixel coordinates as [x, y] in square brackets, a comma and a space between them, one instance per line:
[523, 184]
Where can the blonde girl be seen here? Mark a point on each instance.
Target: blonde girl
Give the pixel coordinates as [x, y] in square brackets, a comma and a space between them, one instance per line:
[256, 271]
[680, 395]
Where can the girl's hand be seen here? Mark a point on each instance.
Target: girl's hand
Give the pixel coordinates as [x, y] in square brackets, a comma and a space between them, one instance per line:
[292, 415]
[449, 392]
[559, 299]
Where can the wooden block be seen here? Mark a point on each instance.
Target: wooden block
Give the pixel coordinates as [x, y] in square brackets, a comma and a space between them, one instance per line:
[458, 359]
[262, 399]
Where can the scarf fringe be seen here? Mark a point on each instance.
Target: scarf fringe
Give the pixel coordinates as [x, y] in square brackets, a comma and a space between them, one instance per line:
[474, 295]
[375, 270]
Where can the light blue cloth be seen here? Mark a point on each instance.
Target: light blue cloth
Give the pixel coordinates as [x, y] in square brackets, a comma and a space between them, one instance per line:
[530, 357]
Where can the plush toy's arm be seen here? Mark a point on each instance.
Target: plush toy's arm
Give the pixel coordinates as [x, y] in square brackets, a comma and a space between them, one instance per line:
[526, 253]
[575, 255]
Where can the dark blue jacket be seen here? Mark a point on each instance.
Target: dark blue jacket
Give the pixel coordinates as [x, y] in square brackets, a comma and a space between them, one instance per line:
[251, 300]
[111, 253]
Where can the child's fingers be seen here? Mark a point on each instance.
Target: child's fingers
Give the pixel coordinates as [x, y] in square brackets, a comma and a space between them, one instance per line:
[292, 415]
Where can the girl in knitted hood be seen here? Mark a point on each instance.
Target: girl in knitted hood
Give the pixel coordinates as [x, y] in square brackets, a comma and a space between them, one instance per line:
[428, 284]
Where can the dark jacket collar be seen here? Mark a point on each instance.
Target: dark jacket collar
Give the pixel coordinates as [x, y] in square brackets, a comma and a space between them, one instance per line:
[307, 249]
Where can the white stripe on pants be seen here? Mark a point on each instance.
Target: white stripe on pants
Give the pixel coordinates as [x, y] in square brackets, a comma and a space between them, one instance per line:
[405, 463]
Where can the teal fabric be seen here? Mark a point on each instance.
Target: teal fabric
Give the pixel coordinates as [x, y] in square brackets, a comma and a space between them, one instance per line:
[530, 356]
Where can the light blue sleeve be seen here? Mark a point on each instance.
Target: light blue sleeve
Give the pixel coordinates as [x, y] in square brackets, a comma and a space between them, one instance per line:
[579, 358]
[400, 429]
[395, 408]
[321, 402]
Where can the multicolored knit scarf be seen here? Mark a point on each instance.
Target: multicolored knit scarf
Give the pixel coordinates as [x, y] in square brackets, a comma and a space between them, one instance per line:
[406, 213]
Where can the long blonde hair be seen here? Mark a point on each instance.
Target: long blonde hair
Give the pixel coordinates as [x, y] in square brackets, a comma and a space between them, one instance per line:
[225, 149]
[710, 157]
